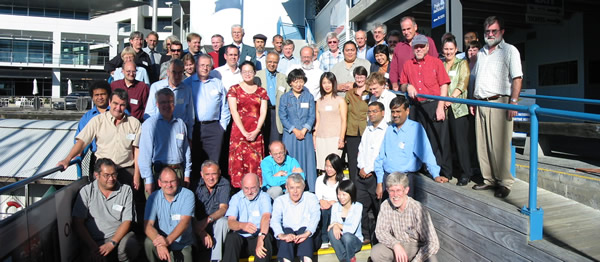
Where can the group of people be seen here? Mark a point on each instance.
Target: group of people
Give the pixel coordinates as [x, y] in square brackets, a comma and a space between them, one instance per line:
[159, 150]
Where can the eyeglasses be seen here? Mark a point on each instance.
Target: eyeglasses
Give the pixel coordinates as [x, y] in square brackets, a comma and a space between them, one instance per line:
[106, 176]
[494, 32]
[175, 50]
[332, 42]
[247, 72]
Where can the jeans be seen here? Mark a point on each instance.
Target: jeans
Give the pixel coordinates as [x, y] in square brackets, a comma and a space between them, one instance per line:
[345, 247]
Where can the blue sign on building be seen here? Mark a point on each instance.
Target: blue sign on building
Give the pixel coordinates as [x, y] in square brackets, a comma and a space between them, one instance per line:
[438, 13]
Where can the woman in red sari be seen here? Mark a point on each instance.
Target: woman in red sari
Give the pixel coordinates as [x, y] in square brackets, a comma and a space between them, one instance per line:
[248, 106]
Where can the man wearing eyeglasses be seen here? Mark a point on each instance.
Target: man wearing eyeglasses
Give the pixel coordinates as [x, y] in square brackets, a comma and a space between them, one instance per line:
[276, 168]
[276, 85]
[499, 79]
[404, 51]
[102, 216]
[379, 32]
[176, 49]
[332, 56]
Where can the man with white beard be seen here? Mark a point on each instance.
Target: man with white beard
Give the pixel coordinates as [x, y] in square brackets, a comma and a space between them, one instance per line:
[313, 74]
[499, 80]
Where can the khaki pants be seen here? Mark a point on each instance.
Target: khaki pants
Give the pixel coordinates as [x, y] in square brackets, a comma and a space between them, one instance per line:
[381, 253]
[494, 134]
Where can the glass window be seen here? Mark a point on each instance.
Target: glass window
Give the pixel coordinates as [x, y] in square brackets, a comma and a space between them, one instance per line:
[19, 10]
[160, 24]
[36, 12]
[82, 15]
[5, 10]
[20, 51]
[67, 14]
[5, 50]
[52, 13]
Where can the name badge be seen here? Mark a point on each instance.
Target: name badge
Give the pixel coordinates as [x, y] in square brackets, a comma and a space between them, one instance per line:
[131, 136]
[255, 213]
[176, 217]
[387, 75]
[282, 89]
[145, 63]
[401, 145]
[179, 101]
[248, 58]
[328, 108]
[452, 73]
[303, 105]
[118, 208]
[214, 92]
[179, 136]
[133, 101]
[365, 97]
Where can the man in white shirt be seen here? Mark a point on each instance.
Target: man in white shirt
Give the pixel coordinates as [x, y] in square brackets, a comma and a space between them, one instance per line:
[313, 74]
[229, 73]
[366, 183]
[361, 44]
[376, 84]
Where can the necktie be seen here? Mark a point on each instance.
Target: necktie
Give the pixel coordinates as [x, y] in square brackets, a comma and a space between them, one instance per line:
[152, 57]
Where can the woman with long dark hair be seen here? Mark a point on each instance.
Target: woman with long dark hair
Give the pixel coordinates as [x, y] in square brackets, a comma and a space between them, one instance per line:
[325, 190]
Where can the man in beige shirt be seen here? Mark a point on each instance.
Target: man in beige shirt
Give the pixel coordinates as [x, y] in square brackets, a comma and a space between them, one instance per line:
[117, 137]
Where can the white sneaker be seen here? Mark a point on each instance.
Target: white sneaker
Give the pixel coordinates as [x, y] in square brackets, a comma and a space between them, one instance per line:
[325, 245]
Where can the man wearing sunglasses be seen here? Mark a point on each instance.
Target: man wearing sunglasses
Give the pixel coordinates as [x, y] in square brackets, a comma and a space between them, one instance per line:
[176, 49]
[332, 56]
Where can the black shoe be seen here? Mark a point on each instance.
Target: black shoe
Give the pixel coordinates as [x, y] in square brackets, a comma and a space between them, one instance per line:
[502, 192]
[483, 187]
[463, 181]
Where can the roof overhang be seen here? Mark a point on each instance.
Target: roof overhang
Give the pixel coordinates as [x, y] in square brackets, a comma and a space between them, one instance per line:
[93, 7]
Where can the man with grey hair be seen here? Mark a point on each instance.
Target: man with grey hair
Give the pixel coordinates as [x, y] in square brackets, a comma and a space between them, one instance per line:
[164, 143]
[404, 49]
[499, 79]
[155, 56]
[184, 105]
[287, 59]
[332, 56]
[379, 32]
[276, 85]
[361, 44]
[136, 41]
[247, 53]
[294, 220]
[311, 70]
[399, 214]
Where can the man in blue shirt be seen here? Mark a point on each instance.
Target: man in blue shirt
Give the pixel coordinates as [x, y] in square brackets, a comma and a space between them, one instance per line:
[294, 220]
[184, 105]
[168, 220]
[211, 111]
[164, 143]
[248, 217]
[213, 198]
[405, 148]
[276, 168]
[100, 91]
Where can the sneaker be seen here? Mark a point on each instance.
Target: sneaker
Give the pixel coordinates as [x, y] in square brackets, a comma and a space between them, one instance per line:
[325, 245]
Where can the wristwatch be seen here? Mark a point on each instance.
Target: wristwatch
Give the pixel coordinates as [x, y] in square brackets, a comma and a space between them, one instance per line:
[209, 219]
[113, 242]
[261, 234]
[514, 100]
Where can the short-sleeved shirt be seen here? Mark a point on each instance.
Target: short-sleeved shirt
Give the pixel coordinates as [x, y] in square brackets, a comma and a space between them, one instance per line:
[208, 203]
[246, 210]
[115, 142]
[496, 70]
[426, 75]
[169, 214]
[103, 215]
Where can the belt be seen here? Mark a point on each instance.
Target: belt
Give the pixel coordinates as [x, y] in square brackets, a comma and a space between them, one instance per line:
[271, 107]
[172, 166]
[491, 98]
[426, 101]
[207, 122]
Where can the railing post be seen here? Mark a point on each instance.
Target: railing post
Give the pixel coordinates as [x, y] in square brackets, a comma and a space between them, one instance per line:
[536, 215]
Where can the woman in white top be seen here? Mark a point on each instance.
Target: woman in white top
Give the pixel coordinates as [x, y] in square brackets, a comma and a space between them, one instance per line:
[345, 232]
[325, 189]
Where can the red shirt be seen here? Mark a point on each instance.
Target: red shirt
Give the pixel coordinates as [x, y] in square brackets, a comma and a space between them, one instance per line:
[215, 56]
[138, 96]
[404, 52]
[426, 76]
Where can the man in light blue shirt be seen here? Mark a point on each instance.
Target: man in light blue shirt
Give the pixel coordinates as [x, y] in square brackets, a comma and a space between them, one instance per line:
[168, 220]
[248, 217]
[287, 59]
[379, 32]
[211, 111]
[163, 142]
[405, 148]
[294, 220]
[184, 106]
[276, 168]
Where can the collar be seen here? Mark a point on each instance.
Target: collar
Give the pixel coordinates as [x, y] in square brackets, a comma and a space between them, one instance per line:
[272, 74]
[162, 194]
[425, 59]
[112, 118]
[173, 119]
[500, 45]
[112, 192]
[382, 125]
[289, 59]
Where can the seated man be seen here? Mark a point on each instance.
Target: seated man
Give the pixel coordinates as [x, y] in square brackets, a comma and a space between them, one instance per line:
[164, 142]
[248, 217]
[168, 220]
[276, 168]
[404, 228]
[295, 218]
[405, 148]
[102, 216]
[213, 198]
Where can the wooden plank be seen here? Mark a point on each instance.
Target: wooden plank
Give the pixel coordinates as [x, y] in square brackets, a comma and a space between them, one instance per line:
[470, 200]
[561, 253]
[485, 247]
[457, 249]
[490, 229]
[443, 255]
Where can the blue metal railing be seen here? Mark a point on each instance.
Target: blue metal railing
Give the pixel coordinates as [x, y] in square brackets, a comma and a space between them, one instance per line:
[14, 186]
[536, 215]
[560, 98]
